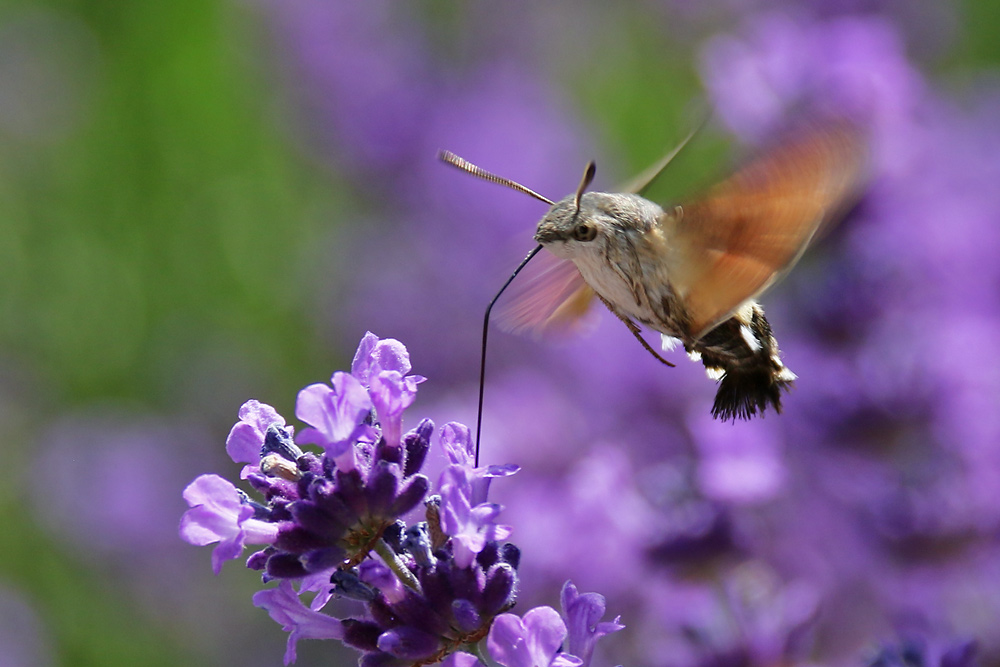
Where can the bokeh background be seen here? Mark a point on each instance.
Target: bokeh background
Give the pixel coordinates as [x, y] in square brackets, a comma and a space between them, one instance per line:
[205, 202]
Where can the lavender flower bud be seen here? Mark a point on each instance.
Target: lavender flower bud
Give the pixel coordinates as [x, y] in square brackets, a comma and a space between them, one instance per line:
[408, 643]
[347, 584]
[416, 443]
[500, 589]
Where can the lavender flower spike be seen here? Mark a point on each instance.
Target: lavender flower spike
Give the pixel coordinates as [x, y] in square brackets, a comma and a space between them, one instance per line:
[332, 520]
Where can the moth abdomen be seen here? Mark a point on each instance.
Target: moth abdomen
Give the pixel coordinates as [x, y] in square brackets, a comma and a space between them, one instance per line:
[743, 355]
[743, 393]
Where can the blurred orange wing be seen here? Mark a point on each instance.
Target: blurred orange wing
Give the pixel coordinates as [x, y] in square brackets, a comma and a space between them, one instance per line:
[550, 298]
[749, 230]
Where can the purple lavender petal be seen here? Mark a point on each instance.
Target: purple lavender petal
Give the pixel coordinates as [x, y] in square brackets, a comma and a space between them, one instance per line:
[247, 436]
[456, 440]
[456, 521]
[318, 583]
[533, 642]
[461, 659]
[545, 632]
[455, 507]
[218, 514]
[391, 394]
[508, 645]
[284, 606]
[583, 614]
[566, 660]
[374, 356]
[335, 412]
[362, 363]
[501, 470]
[391, 355]
[381, 577]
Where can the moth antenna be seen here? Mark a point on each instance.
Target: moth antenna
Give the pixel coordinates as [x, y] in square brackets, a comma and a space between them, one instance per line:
[646, 178]
[486, 330]
[588, 178]
[450, 158]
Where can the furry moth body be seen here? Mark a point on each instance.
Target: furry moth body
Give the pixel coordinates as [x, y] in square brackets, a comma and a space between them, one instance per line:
[620, 244]
[693, 271]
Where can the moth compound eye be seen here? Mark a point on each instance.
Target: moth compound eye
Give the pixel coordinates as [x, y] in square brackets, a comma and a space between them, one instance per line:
[584, 232]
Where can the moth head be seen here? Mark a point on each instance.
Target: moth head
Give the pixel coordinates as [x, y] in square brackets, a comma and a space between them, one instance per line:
[572, 229]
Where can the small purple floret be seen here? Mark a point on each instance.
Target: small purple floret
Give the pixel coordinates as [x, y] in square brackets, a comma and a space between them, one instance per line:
[584, 612]
[461, 659]
[374, 356]
[284, 606]
[219, 514]
[532, 642]
[336, 414]
[247, 437]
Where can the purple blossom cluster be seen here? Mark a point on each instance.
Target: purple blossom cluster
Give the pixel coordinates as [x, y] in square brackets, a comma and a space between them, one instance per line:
[862, 521]
[333, 523]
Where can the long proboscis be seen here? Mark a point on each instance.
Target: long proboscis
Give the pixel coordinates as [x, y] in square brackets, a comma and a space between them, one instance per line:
[469, 168]
[486, 331]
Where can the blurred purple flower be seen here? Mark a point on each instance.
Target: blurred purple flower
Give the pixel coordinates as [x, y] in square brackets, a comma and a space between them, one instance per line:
[134, 460]
[746, 469]
[23, 635]
[915, 653]
[847, 66]
[359, 79]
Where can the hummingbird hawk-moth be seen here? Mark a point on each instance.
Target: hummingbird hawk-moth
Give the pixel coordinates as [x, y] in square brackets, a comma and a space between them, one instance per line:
[693, 271]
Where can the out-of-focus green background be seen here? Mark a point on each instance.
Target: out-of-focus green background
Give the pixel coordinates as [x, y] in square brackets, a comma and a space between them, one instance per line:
[159, 229]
